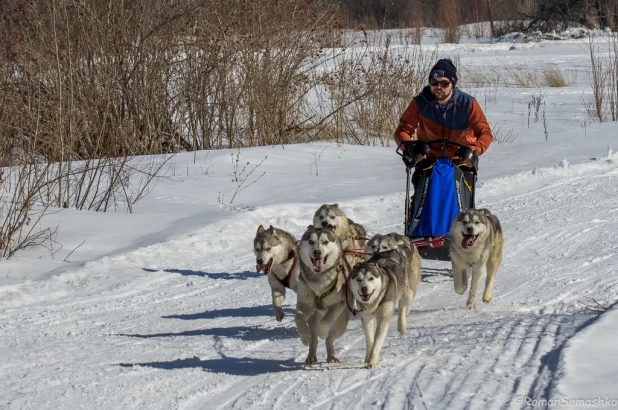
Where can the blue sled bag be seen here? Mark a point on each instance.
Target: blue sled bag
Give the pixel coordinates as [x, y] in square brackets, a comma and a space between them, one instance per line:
[437, 199]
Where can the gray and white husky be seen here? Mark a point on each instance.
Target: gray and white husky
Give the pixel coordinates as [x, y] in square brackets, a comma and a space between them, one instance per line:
[275, 256]
[321, 299]
[379, 285]
[476, 243]
[393, 240]
[351, 234]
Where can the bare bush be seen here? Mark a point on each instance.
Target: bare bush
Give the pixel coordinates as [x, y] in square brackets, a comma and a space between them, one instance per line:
[450, 22]
[374, 87]
[602, 77]
[597, 77]
[20, 208]
[613, 77]
[502, 136]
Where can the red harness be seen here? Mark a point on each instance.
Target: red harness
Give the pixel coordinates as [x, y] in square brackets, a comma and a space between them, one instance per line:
[286, 280]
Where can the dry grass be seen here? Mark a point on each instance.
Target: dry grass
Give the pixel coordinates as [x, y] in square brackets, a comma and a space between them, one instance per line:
[519, 76]
[552, 77]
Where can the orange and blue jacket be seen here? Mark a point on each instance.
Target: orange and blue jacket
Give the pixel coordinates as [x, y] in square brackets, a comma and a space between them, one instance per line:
[462, 121]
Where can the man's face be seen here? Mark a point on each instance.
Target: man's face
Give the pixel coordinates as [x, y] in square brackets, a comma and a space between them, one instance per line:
[441, 88]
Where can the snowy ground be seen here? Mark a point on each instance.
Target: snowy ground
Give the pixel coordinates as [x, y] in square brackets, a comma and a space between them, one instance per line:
[163, 309]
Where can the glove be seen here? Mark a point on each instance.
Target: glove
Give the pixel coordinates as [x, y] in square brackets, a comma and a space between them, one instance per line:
[410, 161]
[466, 155]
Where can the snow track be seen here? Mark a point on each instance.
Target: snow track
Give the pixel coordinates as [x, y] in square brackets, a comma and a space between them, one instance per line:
[188, 324]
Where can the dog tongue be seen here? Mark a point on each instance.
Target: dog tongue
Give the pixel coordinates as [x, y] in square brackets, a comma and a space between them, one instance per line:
[318, 264]
[260, 268]
[468, 240]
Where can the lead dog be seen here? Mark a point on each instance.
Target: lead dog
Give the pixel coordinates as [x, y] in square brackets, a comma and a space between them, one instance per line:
[275, 256]
[379, 285]
[476, 243]
[321, 309]
[351, 234]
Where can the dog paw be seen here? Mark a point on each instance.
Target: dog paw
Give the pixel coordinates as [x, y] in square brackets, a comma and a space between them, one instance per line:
[460, 290]
[370, 365]
[332, 359]
[279, 315]
[471, 305]
[487, 298]
[310, 360]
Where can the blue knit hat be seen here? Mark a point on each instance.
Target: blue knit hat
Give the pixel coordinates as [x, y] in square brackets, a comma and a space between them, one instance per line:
[444, 68]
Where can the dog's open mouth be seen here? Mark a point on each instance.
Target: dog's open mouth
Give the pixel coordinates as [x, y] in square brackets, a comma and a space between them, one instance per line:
[265, 267]
[318, 263]
[365, 296]
[468, 240]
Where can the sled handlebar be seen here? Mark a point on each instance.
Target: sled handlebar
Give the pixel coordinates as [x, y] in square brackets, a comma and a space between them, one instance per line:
[412, 148]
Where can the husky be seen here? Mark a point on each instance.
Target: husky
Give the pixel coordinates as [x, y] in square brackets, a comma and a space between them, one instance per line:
[321, 301]
[393, 240]
[351, 234]
[476, 242]
[275, 256]
[380, 284]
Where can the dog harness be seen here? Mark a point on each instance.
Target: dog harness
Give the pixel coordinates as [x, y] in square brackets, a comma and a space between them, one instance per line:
[319, 299]
[286, 280]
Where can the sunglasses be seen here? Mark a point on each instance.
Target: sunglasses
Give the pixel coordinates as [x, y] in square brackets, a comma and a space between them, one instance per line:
[443, 83]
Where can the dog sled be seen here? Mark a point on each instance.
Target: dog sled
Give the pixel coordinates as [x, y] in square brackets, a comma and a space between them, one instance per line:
[442, 187]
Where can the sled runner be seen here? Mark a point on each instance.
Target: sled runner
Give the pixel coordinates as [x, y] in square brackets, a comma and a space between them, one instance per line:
[442, 188]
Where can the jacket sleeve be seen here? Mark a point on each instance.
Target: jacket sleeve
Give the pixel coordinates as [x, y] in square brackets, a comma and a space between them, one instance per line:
[480, 126]
[407, 124]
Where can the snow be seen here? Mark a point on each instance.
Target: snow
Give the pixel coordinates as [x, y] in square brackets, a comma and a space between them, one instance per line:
[163, 309]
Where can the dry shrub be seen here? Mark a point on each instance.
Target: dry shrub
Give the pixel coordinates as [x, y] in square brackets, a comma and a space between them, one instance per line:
[450, 21]
[552, 77]
[374, 87]
[21, 209]
[480, 30]
[602, 78]
[502, 136]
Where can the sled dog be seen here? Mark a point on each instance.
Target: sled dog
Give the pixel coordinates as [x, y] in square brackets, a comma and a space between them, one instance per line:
[276, 256]
[393, 240]
[379, 285]
[476, 242]
[351, 234]
[321, 304]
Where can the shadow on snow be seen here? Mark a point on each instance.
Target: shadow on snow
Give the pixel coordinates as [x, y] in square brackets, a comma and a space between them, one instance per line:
[218, 275]
[243, 366]
[249, 333]
[244, 311]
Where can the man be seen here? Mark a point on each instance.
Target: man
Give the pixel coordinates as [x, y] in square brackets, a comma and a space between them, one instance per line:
[442, 111]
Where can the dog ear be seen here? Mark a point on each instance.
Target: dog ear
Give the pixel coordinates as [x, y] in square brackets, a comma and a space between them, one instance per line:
[460, 217]
[336, 205]
[485, 211]
[260, 230]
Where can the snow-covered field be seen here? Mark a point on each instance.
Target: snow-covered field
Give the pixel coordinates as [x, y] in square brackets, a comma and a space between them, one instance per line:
[163, 309]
